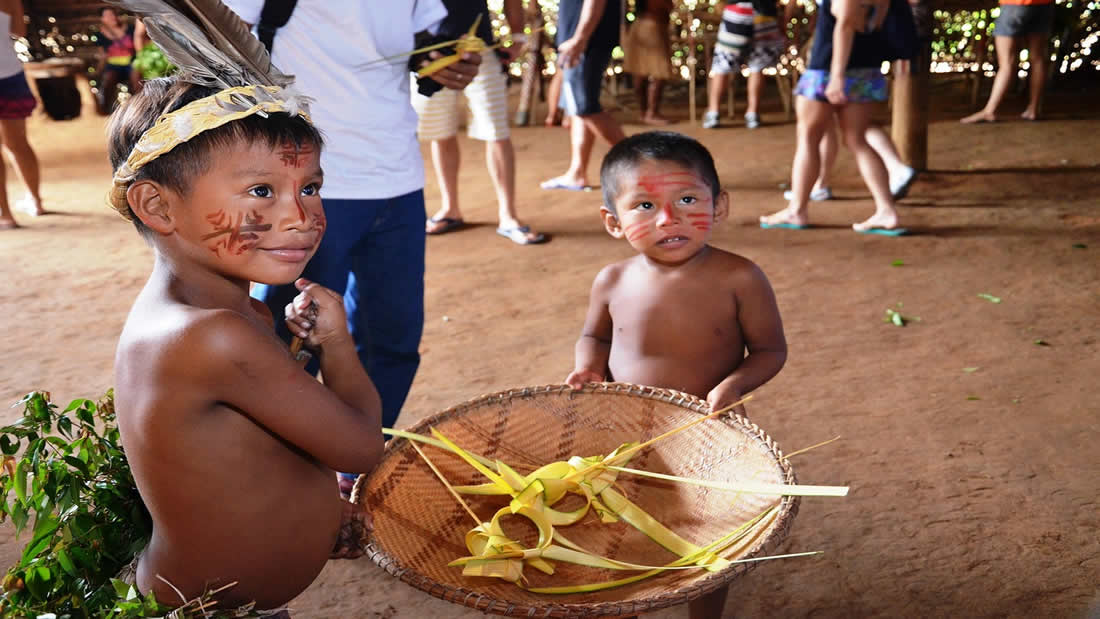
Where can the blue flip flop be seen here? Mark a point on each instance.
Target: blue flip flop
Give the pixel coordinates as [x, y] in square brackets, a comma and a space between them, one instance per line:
[518, 235]
[785, 226]
[885, 231]
[449, 224]
[556, 183]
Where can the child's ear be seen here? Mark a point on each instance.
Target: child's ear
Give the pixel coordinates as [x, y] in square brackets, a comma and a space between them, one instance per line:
[611, 222]
[721, 206]
[149, 202]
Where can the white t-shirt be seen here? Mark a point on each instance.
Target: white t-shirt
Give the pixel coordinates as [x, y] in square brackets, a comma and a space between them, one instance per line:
[369, 126]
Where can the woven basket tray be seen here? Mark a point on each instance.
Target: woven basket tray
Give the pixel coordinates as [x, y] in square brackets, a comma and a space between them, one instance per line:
[419, 527]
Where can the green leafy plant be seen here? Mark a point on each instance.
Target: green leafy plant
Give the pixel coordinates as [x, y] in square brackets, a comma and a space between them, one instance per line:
[152, 63]
[895, 317]
[67, 470]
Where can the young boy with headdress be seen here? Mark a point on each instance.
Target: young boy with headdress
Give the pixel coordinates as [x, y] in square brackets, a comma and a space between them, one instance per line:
[681, 314]
[232, 444]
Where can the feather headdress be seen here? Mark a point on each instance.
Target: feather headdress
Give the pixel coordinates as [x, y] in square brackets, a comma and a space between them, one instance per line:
[212, 47]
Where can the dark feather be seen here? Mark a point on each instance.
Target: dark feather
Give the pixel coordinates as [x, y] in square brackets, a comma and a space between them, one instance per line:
[208, 42]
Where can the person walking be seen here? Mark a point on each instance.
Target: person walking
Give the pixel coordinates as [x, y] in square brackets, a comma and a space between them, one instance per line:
[588, 30]
[486, 100]
[16, 104]
[1021, 24]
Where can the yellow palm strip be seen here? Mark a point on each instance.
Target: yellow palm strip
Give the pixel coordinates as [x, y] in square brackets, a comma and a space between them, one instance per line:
[747, 486]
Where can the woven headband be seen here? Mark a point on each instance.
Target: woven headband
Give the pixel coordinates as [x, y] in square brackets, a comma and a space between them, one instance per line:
[175, 128]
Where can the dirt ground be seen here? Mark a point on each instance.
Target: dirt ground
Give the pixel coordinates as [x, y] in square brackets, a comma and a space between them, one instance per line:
[973, 493]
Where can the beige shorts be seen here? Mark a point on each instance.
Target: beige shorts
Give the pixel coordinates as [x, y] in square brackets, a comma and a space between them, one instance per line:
[486, 106]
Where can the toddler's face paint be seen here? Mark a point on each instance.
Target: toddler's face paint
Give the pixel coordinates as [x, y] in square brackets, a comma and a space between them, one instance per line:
[295, 156]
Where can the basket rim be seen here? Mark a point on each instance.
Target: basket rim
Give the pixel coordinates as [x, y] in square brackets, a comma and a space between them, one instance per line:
[492, 604]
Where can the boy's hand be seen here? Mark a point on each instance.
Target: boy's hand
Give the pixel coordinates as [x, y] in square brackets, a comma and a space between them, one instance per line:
[722, 396]
[578, 378]
[316, 315]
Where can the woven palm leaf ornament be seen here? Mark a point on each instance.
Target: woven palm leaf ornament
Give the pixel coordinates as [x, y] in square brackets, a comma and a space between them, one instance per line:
[574, 508]
[212, 47]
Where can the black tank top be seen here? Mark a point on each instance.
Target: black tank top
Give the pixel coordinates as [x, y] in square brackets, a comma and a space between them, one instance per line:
[866, 48]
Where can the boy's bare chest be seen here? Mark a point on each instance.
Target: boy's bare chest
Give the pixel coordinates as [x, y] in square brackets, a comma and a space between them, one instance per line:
[674, 316]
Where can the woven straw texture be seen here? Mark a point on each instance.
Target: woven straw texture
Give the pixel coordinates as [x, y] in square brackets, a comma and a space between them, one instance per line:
[419, 527]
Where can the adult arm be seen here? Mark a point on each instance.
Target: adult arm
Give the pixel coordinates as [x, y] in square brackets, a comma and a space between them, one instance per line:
[140, 38]
[569, 52]
[593, 349]
[762, 330]
[15, 9]
[850, 18]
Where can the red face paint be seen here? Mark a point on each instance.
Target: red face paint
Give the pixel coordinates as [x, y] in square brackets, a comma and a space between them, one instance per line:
[653, 184]
[637, 231]
[235, 237]
[294, 156]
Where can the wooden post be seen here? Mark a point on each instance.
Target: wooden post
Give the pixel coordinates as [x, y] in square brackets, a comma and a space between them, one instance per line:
[911, 96]
[532, 67]
[691, 65]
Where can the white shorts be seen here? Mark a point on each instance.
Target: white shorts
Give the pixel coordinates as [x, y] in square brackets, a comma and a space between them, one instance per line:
[486, 106]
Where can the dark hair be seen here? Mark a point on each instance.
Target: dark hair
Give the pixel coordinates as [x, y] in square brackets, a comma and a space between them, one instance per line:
[656, 146]
[178, 168]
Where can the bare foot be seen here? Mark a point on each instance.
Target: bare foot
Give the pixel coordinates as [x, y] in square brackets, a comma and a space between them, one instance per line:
[1029, 114]
[656, 121]
[884, 221]
[7, 223]
[979, 117]
[352, 539]
[785, 216]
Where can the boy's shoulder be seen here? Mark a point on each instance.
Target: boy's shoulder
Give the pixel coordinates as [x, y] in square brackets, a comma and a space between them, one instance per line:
[612, 273]
[191, 337]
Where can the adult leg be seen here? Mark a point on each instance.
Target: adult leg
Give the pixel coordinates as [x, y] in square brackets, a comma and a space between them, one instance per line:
[755, 90]
[500, 158]
[716, 87]
[445, 159]
[1007, 53]
[641, 92]
[653, 107]
[553, 94]
[108, 91]
[1039, 58]
[830, 146]
[901, 176]
[814, 119]
[854, 118]
[13, 131]
[385, 299]
[7, 221]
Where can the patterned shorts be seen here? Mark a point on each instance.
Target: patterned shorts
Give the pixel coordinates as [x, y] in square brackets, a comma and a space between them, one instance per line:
[16, 100]
[860, 85]
[486, 106]
[746, 38]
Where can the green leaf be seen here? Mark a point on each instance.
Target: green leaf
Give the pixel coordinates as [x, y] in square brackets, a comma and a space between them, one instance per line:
[7, 445]
[897, 319]
[78, 464]
[989, 297]
[121, 588]
[971, 370]
[66, 562]
[20, 481]
[1041, 343]
[972, 397]
[897, 263]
